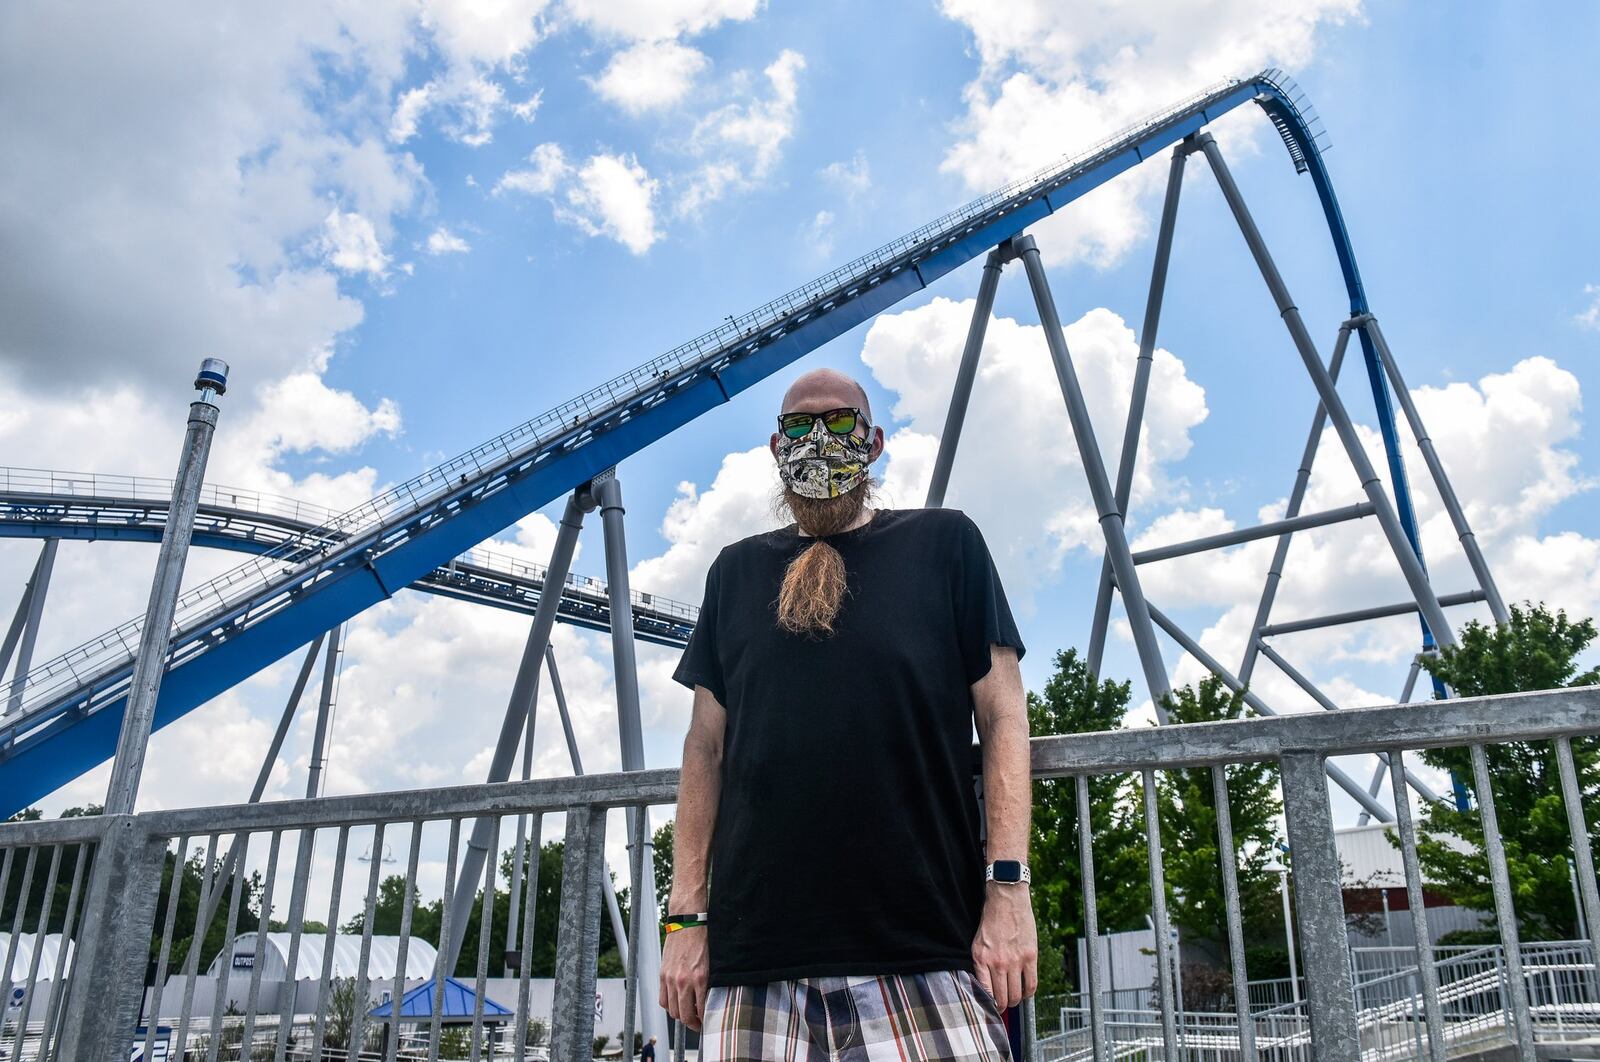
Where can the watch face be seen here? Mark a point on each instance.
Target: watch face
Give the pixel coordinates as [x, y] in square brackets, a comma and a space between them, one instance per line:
[1007, 870]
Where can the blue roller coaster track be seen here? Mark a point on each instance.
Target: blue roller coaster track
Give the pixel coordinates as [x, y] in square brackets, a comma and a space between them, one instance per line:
[237, 624]
[92, 507]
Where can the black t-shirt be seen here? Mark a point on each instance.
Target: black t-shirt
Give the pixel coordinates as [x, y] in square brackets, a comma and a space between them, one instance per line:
[847, 832]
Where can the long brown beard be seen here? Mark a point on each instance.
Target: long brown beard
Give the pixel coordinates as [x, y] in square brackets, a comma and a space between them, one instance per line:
[814, 583]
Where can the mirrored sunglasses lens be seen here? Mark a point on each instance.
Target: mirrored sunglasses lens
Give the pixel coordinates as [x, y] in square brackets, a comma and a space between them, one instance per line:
[842, 423]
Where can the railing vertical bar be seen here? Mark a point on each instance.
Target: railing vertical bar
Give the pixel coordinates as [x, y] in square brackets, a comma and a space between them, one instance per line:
[1504, 910]
[58, 983]
[1229, 860]
[240, 850]
[1158, 903]
[358, 1028]
[397, 993]
[253, 999]
[1583, 856]
[630, 993]
[1091, 920]
[18, 919]
[439, 972]
[191, 962]
[1427, 973]
[525, 969]
[45, 906]
[335, 889]
[290, 989]
[169, 918]
[485, 933]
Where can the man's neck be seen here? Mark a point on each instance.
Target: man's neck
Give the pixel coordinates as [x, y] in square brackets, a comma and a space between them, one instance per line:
[860, 521]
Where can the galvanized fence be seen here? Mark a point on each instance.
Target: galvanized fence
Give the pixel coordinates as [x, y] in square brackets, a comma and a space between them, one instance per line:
[102, 883]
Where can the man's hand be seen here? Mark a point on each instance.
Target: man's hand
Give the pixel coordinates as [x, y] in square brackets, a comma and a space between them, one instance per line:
[685, 972]
[1005, 953]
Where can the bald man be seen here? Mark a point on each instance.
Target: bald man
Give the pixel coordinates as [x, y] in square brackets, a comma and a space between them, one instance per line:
[831, 895]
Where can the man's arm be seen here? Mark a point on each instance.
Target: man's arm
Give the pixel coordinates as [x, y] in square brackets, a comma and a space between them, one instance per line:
[1005, 951]
[685, 961]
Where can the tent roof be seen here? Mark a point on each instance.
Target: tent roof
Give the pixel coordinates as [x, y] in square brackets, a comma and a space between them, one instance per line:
[459, 1002]
[383, 954]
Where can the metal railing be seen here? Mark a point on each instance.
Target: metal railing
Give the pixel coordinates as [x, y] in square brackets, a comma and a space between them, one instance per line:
[122, 917]
[262, 584]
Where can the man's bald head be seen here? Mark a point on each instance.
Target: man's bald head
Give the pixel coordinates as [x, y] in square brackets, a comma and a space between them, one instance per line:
[820, 390]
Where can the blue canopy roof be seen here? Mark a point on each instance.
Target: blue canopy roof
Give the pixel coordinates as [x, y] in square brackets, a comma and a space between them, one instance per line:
[459, 1001]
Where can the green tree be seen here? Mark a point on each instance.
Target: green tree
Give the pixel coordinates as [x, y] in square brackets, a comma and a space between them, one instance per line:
[1187, 807]
[1533, 650]
[661, 861]
[1074, 702]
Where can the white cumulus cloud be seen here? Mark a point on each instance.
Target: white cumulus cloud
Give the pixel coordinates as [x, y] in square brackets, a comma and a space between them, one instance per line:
[651, 75]
[608, 195]
[442, 241]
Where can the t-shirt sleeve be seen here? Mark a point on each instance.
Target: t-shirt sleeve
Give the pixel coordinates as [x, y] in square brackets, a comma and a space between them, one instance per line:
[982, 614]
[700, 664]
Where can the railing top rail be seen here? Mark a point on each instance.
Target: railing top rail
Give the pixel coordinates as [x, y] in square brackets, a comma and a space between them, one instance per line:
[1511, 717]
[1535, 716]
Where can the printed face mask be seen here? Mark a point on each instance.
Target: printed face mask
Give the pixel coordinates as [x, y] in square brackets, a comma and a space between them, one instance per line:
[822, 464]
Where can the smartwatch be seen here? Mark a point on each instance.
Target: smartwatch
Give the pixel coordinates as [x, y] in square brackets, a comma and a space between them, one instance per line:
[1007, 872]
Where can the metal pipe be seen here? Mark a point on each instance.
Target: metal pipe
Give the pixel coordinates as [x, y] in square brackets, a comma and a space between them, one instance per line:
[1404, 553]
[1160, 923]
[33, 599]
[319, 742]
[1416, 903]
[1401, 608]
[1302, 480]
[1229, 859]
[1505, 912]
[519, 710]
[1250, 534]
[578, 935]
[965, 374]
[1127, 458]
[1108, 514]
[1571, 795]
[1430, 457]
[631, 729]
[155, 635]
[1091, 921]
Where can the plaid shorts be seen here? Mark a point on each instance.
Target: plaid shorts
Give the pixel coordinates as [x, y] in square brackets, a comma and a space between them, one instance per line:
[943, 1016]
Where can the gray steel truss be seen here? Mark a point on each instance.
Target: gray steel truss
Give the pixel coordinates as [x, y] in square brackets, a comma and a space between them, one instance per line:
[1119, 570]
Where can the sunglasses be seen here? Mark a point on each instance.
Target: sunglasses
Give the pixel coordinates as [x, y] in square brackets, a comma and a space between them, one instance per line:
[837, 421]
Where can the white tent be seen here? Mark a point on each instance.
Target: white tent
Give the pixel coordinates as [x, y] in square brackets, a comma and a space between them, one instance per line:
[272, 950]
[24, 957]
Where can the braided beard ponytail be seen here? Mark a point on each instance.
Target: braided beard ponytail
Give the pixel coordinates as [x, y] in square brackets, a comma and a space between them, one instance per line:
[814, 584]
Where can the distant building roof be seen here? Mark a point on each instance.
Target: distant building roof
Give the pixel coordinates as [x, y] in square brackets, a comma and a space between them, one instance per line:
[459, 1002]
[271, 950]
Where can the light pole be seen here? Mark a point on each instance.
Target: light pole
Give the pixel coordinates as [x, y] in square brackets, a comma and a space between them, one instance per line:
[155, 637]
[1276, 866]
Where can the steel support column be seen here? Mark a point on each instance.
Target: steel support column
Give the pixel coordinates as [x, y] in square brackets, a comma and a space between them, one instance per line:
[626, 676]
[1405, 555]
[1106, 509]
[319, 741]
[965, 374]
[519, 712]
[1441, 481]
[1141, 386]
[24, 632]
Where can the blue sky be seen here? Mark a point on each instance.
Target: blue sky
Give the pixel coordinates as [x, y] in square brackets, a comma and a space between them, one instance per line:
[412, 227]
